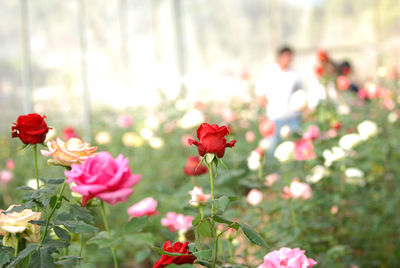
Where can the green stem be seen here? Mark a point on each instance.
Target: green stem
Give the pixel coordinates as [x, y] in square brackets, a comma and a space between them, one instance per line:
[260, 169]
[114, 253]
[59, 196]
[230, 251]
[201, 210]
[81, 247]
[293, 212]
[36, 165]
[17, 247]
[194, 180]
[215, 238]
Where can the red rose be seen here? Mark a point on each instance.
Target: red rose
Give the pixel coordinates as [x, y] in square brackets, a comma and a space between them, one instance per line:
[322, 56]
[30, 128]
[191, 165]
[178, 247]
[212, 140]
[319, 70]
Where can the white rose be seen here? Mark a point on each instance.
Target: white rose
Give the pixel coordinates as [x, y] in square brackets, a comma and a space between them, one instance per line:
[285, 151]
[367, 129]
[349, 141]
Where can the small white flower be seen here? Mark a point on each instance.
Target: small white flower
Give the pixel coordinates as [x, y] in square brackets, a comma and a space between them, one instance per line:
[392, 117]
[343, 109]
[253, 161]
[285, 151]
[317, 173]
[336, 153]
[33, 184]
[367, 129]
[191, 119]
[264, 143]
[151, 122]
[285, 131]
[156, 142]
[354, 173]
[349, 141]
[146, 133]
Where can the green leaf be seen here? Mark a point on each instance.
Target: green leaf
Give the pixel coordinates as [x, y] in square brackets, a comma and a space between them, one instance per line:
[203, 254]
[22, 255]
[53, 201]
[209, 157]
[67, 261]
[252, 235]
[196, 220]
[163, 252]
[79, 227]
[54, 244]
[5, 256]
[41, 259]
[204, 263]
[56, 181]
[80, 213]
[220, 219]
[141, 255]
[135, 225]
[221, 203]
[61, 233]
[205, 228]
[20, 208]
[103, 240]
[24, 188]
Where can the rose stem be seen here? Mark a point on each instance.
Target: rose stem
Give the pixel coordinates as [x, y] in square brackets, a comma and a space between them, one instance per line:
[215, 249]
[230, 251]
[36, 165]
[52, 212]
[82, 245]
[103, 213]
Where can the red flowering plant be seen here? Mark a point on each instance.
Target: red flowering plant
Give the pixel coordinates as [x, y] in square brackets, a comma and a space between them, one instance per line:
[211, 145]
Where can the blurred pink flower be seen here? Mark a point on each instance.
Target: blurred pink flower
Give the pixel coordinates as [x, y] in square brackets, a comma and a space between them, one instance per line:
[103, 177]
[271, 179]
[334, 210]
[124, 120]
[312, 133]
[228, 116]
[6, 176]
[69, 132]
[267, 127]
[296, 190]
[185, 139]
[287, 258]
[10, 164]
[254, 197]
[343, 82]
[198, 196]
[146, 207]
[250, 136]
[304, 150]
[177, 222]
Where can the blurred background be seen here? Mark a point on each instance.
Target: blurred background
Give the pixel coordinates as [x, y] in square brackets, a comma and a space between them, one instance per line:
[138, 77]
[71, 57]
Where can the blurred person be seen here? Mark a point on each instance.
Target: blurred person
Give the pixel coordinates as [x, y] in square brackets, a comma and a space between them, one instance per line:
[277, 84]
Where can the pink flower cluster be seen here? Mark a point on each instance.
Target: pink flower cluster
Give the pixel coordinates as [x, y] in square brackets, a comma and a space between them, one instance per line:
[287, 258]
[146, 207]
[177, 222]
[296, 190]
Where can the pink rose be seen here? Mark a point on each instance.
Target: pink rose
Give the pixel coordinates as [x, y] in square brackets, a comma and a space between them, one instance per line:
[254, 197]
[146, 207]
[5, 176]
[185, 140]
[287, 258]
[312, 133]
[10, 164]
[124, 120]
[297, 189]
[304, 150]
[103, 177]
[198, 196]
[177, 222]
[250, 136]
[271, 179]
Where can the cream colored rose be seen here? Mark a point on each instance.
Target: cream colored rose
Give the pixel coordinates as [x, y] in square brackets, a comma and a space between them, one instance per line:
[19, 223]
[74, 151]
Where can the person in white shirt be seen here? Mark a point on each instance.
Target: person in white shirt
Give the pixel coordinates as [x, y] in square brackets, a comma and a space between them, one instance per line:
[280, 85]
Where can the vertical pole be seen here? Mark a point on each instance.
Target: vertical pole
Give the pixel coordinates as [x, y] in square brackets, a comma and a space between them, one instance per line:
[123, 27]
[82, 27]
[26, 57]
[180, 43]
